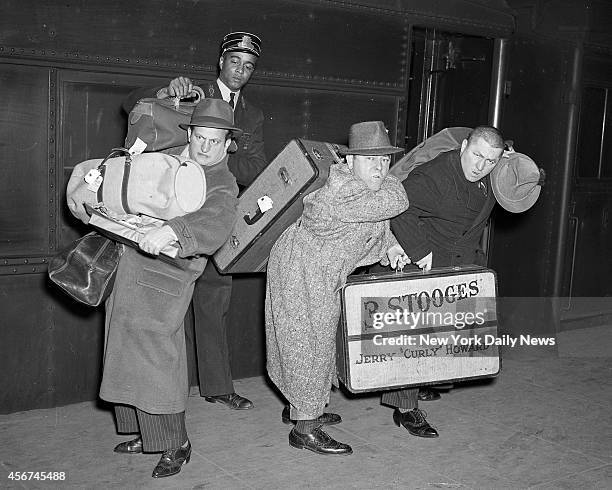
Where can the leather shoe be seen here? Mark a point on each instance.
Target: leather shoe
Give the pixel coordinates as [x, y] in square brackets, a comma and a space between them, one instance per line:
[172, 460]
[428, 394]
[233, 401]
[325, 419]
[130, 447]
[318, 441]
[414, 421]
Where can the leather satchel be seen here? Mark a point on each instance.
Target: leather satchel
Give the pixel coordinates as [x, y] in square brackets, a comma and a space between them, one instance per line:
[156, 121]
[86, 269]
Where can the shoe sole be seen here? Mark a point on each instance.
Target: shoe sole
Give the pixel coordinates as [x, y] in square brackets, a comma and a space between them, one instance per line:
[399, 424]
[231, 407]
[291, 422]
[423, 435]
[429, 399]
[176, 472]
[127, 452]
[302, 446]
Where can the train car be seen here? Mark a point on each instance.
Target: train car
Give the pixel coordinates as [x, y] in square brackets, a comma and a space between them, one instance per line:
[540, 71]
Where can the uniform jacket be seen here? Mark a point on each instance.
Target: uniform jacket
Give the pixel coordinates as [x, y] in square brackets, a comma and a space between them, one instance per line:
[250, 159]
[344, 225]
[144, 355]
[447, 213]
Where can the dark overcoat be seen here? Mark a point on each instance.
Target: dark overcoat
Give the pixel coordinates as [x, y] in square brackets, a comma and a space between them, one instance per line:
[447, 213]
[144, 355]
[344, 225]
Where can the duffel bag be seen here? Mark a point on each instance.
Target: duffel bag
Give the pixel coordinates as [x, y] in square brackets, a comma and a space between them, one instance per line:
[156, 121]
[156, 184]
[445, 140]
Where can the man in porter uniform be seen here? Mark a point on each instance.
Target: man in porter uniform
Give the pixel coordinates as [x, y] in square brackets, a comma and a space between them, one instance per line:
[239, 54]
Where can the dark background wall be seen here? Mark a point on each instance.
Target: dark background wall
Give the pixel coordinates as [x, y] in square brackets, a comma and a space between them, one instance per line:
[66, 66]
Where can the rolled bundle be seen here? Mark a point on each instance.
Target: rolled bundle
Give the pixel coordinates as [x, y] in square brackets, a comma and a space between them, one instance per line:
[156, 184]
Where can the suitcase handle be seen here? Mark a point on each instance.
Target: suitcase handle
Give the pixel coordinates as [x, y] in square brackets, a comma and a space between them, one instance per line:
[284, 175]
[256, 217]
[264, 203]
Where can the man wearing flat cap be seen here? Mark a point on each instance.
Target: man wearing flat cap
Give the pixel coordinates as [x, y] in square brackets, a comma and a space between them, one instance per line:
[211, 300]
[145, 365]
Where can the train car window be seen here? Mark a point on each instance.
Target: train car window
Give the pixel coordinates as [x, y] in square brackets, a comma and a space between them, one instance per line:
[594, 149]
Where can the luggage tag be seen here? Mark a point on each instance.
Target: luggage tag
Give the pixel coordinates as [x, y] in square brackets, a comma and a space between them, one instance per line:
[265, 203]
[94, 179]
[138, 147]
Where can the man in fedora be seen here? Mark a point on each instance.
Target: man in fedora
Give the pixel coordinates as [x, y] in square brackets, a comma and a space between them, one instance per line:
[344, 225]
[240, 52]
[145, 366]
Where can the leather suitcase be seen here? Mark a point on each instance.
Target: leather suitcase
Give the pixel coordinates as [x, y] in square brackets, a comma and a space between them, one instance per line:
[412, 329]
[300, 168]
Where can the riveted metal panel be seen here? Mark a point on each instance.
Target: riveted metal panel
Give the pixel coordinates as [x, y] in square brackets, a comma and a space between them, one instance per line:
[535, 118]
[51, 346]
[182, 35]
[26, 220]
[318, 114]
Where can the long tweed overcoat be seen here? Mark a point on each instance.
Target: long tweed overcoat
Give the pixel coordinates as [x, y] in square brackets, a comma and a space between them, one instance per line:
[344, 225]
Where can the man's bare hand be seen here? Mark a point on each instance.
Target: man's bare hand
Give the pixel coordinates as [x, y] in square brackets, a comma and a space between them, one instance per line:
[425, 262]
[179, 87]
[397, 257]
[154, 241]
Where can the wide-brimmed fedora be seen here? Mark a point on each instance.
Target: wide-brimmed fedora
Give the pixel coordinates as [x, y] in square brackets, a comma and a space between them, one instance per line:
[213, 113]
[516, 182]
[369, 138]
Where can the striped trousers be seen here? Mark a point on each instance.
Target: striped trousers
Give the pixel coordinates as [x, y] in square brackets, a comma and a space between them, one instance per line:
[406, 399]
[158, 432]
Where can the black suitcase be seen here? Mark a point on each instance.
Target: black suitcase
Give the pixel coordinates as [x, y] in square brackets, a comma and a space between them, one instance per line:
[300, 168]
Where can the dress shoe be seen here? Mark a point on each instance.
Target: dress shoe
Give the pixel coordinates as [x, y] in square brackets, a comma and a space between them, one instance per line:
[318, 442]
[172, 460]
[428, 394]
[325, 419]
[414, 421]
[233, 401]
[130, 447]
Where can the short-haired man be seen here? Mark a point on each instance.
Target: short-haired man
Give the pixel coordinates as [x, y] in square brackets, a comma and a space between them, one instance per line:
[240, 52]
[450, 202]
[145, 365]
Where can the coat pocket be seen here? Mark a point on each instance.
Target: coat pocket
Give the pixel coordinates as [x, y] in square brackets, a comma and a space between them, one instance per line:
[161, 282]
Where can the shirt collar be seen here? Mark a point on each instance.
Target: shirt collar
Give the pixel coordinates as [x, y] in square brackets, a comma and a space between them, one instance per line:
[225, 92]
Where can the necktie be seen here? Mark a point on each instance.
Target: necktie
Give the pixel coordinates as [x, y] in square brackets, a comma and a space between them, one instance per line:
[231, 101]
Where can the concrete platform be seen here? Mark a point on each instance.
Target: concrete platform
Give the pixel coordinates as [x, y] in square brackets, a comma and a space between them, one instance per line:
[543, 423]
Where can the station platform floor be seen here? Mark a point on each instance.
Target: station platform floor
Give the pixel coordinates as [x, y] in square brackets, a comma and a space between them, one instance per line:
[545, 422]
